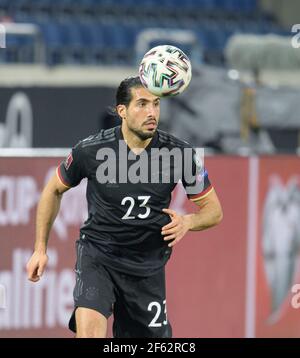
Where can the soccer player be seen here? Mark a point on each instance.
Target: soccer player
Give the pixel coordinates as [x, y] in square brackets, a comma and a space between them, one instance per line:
[128, 236]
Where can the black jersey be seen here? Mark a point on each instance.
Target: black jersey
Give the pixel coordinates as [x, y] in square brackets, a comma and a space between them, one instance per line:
[125, 213]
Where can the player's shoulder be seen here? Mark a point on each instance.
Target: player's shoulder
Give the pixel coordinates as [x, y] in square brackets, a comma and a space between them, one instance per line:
[94, 140]
[104, 136]
[168, 139]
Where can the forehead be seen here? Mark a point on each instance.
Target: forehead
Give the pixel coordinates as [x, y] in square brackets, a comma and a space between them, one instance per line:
[138, 93]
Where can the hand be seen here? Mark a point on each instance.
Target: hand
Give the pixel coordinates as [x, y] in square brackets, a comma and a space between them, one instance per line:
[36, 266]
[176, 229]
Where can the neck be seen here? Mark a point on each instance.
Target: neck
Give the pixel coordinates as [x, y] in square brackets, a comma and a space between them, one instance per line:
[132, 140]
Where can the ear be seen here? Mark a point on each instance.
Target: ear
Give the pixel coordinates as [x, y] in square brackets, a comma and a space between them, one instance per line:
[121, 110]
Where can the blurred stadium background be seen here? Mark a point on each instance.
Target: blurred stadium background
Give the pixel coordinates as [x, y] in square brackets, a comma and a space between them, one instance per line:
[59, 70]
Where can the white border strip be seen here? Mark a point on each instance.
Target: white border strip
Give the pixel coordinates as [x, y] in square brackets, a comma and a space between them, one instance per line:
[22, 75]
[250, 318]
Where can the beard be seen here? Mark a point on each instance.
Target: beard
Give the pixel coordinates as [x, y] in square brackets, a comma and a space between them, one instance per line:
[143, 135]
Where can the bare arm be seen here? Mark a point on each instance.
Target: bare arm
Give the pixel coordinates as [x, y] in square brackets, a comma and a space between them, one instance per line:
[209, 214]
[47, 211]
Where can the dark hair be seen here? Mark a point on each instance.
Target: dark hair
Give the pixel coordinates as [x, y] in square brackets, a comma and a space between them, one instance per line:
[124, 95]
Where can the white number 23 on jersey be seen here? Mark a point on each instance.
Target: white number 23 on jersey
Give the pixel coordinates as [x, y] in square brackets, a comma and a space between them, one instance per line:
[142, 203]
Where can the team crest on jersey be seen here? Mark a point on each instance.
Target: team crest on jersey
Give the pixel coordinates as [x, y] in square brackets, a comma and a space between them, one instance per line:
[68, 161]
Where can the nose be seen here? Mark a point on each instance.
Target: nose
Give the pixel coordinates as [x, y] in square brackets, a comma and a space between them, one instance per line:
[151, 110]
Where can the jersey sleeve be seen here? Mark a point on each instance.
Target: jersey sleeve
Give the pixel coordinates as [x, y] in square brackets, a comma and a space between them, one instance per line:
[195, 177]
[72, 169]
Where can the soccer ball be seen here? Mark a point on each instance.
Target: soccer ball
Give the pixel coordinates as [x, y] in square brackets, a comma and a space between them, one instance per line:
[165, 71]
